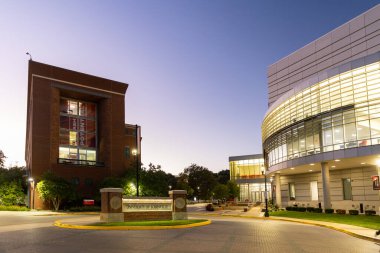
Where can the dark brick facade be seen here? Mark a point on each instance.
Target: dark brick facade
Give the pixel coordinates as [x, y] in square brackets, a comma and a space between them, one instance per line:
[46, 86]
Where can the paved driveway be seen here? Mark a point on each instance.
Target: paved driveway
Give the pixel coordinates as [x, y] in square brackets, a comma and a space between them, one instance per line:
[223, 235]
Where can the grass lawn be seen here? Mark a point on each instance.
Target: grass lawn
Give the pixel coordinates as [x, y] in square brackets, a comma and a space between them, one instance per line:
[372, 222]
[149, 223]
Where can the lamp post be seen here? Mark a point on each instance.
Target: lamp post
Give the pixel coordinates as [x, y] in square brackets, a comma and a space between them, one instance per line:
[263, 172]
[31, 184]
[134, 153]
[271, 189]
[198, 193]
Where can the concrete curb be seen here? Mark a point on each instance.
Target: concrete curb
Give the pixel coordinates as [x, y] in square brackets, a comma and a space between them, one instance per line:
[68, 214]
[58, 223]
[330, 227]
[308, 222]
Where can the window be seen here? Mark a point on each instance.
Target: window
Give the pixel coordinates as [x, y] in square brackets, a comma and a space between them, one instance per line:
[314, 190]
[347, 190]
[292, 191]
[77, 130]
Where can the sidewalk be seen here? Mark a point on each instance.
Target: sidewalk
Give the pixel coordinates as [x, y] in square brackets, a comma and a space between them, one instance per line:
[255, 213]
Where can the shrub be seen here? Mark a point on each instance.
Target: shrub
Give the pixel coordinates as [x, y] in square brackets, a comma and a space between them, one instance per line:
[329, 210]
[353, 212]
[317, 210]
[85, 209]
[340, 211]
[14, 208]
[289, 208]
[301, 209]
[370, 212]
[209, 207]
[310, 209]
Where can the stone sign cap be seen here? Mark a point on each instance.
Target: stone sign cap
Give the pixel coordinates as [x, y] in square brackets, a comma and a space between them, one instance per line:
[178, 192]
[111, 190]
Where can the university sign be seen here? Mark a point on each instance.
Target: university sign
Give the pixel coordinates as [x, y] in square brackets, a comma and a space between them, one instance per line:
[147, 204]
[116, 208]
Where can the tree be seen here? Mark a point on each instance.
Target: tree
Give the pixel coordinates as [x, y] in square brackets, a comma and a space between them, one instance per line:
[15, 173]
[223, 176]
[221, 191]
[233, 189]
[155, 182]
[2, 159]
[201, 180]
[11, 193]
[183, 184]
[54, 189]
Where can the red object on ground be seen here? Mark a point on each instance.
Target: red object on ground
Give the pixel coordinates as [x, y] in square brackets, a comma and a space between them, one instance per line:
[88, 202]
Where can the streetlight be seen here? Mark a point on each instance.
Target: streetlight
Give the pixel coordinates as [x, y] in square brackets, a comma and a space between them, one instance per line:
[198, 193]
[263, 172]
[134, 153]
[271, 188]
[31, 181]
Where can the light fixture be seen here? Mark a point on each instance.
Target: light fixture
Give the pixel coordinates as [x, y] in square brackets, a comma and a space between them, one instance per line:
[337, 160]
[333, 166]
[134, 152]
[378, 162]
[362, 163]
[292, 168]
[30, 179]
[312, 164]
[310, 170]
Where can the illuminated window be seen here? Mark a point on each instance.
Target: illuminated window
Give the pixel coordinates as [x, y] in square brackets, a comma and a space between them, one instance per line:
[314, 190]
[77, 138]
[339, 113]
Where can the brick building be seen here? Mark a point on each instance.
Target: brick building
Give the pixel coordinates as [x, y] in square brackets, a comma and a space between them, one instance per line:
[76, 129]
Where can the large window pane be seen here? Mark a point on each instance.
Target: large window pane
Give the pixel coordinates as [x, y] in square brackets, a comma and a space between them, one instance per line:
[64, 137]
[292, 191]
[314, 190]
[347, 190]
[63, 152]
[73, 138]
[73, 107]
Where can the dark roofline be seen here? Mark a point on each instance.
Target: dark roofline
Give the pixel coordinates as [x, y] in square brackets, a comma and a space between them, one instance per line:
[245, 157]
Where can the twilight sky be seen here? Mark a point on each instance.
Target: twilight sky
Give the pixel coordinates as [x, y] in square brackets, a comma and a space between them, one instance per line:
[196, 69]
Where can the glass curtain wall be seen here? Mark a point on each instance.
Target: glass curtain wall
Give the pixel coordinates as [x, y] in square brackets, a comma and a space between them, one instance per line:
[246, 169]
[339, 113]
[78, 130]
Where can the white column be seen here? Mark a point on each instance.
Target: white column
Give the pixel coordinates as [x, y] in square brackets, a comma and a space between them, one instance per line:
[326, 185]
[278, 189]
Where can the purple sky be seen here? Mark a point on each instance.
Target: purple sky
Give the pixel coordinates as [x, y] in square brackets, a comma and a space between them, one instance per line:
[196, 69]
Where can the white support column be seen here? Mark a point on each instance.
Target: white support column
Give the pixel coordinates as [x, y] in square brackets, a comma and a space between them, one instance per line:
[278, 189]
[326, 185]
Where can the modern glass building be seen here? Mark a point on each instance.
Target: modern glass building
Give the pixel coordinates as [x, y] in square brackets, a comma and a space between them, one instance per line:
[247, 172]
[321, 133]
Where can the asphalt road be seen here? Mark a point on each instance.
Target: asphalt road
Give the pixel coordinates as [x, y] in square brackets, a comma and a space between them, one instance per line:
[35, 234]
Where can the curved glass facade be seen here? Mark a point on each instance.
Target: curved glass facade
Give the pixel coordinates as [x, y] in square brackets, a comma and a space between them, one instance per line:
[340, 112]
